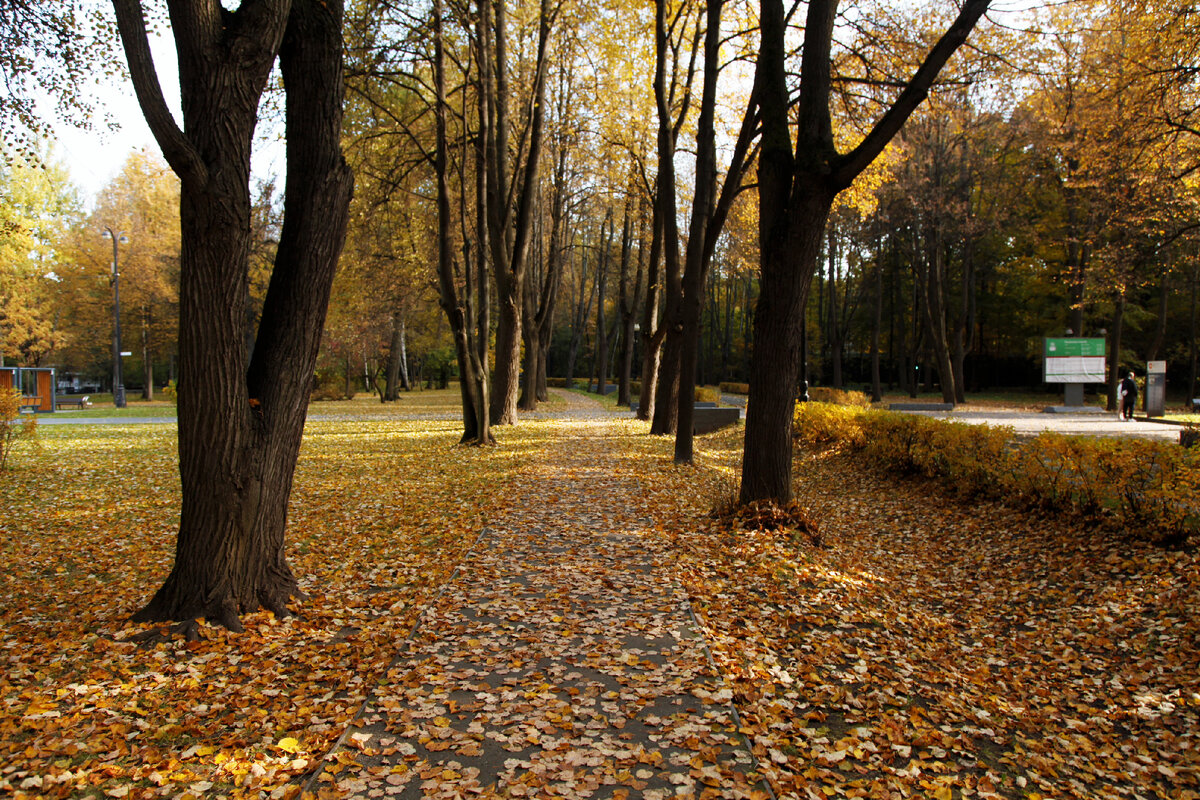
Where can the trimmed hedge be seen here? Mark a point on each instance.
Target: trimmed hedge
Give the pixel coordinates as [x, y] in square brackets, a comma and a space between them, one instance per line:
[735, 388]
[841, 397]
[1151, 489]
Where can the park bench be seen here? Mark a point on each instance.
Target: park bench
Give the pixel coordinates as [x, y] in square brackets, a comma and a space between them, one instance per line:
[77, 402]
[29, 403]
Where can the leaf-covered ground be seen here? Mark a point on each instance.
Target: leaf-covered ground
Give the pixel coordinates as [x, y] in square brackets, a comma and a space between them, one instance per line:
[931, 648]
[382, 513]
[926, 649]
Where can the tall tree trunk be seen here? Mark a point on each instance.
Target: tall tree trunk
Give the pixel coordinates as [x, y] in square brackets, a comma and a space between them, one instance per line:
[1193, 350]
[1114, 353]
[702, 219]
[392, 371]
[147, 358]
[474, 408]
[651, 339]
[510, 208]
[627, 305]
[796, 191]
[583, 310]
[405, 383]
[666, 400]
[601, 354]
[932, 284]
[1160, 323]
[241, 419]
[965, 328]
[876, 326]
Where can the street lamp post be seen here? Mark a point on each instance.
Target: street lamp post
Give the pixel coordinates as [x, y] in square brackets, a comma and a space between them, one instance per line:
[118, 382]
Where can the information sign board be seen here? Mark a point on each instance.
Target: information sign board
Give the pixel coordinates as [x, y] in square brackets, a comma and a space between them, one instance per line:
[1077, 360]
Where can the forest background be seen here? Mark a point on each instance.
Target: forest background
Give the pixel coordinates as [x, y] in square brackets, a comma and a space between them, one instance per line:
[1048, 184]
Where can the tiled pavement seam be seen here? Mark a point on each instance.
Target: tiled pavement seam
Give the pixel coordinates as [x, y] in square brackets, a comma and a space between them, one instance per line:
[559, 662]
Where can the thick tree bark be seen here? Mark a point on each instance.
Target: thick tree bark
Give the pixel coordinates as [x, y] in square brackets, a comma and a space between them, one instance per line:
[240, 423]
[510, 209]
[796, 190]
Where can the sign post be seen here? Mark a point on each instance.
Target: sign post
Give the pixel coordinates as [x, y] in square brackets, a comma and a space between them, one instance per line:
[1074, 363]
[1156, 388]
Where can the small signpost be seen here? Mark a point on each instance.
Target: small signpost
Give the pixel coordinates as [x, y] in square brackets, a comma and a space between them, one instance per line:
[1156, 388]
[1074, 362]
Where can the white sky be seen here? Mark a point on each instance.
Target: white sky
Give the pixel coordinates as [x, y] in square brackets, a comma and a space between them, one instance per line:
[95, 157]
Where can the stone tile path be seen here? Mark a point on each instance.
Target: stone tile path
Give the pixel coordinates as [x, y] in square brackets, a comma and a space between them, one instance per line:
[559, 662]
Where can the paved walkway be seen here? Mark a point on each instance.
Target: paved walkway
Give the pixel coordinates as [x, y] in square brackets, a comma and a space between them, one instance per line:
[558, 662]
[1032, 423]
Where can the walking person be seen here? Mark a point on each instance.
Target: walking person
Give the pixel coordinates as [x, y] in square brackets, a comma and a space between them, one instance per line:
[1128, 393]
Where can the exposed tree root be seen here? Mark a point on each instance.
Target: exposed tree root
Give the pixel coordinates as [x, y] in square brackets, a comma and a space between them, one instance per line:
[765, 515]
[188, 629]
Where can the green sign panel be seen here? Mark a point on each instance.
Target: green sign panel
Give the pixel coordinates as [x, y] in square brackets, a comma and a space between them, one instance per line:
[1064, 348]
[1074, 361]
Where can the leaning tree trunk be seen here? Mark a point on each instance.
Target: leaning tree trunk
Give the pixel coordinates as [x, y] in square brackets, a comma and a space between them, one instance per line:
[240, 424]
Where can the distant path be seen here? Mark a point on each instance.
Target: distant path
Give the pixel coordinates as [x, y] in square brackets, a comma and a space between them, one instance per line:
[561, 660]
[1029, 423]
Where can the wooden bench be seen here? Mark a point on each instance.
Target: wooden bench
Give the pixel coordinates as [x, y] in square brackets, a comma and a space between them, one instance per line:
[29, 403]
[77, 402]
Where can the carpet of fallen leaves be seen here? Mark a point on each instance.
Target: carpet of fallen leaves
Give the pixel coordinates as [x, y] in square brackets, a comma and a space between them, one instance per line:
[382, 512]
[916, 647]
[932, 648]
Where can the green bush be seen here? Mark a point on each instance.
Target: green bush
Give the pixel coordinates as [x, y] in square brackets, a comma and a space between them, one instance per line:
[707, 394]
[1150, 489]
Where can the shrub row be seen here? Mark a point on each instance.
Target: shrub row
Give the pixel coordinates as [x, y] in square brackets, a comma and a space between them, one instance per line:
[840, 397]
[735, 388]
[1149, 488]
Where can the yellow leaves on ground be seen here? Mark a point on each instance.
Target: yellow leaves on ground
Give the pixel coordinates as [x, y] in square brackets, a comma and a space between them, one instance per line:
[927, 649]
[382, 512]
[933, 648]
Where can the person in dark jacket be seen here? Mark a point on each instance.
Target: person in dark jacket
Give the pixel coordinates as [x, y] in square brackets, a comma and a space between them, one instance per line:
[1128, 394]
